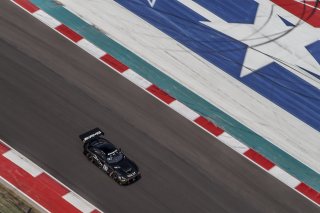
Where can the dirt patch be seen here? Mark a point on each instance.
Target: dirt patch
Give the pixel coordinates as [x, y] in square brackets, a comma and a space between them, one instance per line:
[11, 202]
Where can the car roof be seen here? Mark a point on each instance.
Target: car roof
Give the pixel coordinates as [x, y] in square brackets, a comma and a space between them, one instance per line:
[104, 145]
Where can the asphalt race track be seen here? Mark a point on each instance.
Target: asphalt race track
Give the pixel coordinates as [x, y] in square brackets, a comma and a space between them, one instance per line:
[51, 91]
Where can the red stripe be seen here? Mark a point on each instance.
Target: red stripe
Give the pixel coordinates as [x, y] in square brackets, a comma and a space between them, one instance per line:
[43, 189]
[120, 67]
[259, 159]
[208, 125]
[306, 13]
[309, 192]
[27, 5]
[95, 211]
[3, 148]
[160, 94]
[312, 3]
[69, 33]
[54, 185]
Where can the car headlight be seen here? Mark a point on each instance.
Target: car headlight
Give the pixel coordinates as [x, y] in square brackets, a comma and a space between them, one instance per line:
[121, 178]
[132, 174]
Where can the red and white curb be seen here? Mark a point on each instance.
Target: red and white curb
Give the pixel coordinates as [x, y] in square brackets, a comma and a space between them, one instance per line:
[38, 186]
[161, 95]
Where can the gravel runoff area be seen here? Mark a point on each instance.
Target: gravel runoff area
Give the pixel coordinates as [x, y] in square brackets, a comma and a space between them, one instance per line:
[11, 201]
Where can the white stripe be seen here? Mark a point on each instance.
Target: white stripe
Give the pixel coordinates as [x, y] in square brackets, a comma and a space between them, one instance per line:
[90, 48]
[79, 202]
[59, 182]
[136, 79]
[47, 19]
[284, 177]
[184, 110]
[23, 162]
[233, 143]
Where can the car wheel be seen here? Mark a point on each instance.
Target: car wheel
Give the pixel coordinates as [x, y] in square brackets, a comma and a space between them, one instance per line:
[89, 156]
[100, 165]
[114, 176]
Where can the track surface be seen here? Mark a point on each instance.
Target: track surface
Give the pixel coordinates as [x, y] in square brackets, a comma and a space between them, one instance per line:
[51, 91]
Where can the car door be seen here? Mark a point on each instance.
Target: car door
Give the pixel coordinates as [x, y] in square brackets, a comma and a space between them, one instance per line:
[97, 158]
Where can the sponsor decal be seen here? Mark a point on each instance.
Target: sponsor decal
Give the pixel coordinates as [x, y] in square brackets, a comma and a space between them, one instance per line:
[92, 136]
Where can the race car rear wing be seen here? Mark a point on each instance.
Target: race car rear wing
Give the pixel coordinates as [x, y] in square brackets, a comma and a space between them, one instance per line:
[90, 135]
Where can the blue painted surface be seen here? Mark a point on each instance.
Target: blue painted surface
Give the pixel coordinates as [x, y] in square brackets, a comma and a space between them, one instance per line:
[183, 25]
[286, 22]
[314, 50]
[287, 90]
[244, 11]
[184, 95]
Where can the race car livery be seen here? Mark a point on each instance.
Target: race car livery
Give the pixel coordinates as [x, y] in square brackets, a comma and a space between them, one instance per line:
[109, 158]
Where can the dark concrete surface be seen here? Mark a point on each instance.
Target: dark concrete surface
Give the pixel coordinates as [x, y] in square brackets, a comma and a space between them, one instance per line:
[51, 91]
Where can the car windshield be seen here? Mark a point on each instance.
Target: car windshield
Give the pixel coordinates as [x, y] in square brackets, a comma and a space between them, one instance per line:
[114, 157]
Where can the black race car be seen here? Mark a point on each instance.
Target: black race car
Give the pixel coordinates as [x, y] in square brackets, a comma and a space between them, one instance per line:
[107, 157]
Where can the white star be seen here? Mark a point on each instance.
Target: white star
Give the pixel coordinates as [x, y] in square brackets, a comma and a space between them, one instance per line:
[289, 50]
[152, 2]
